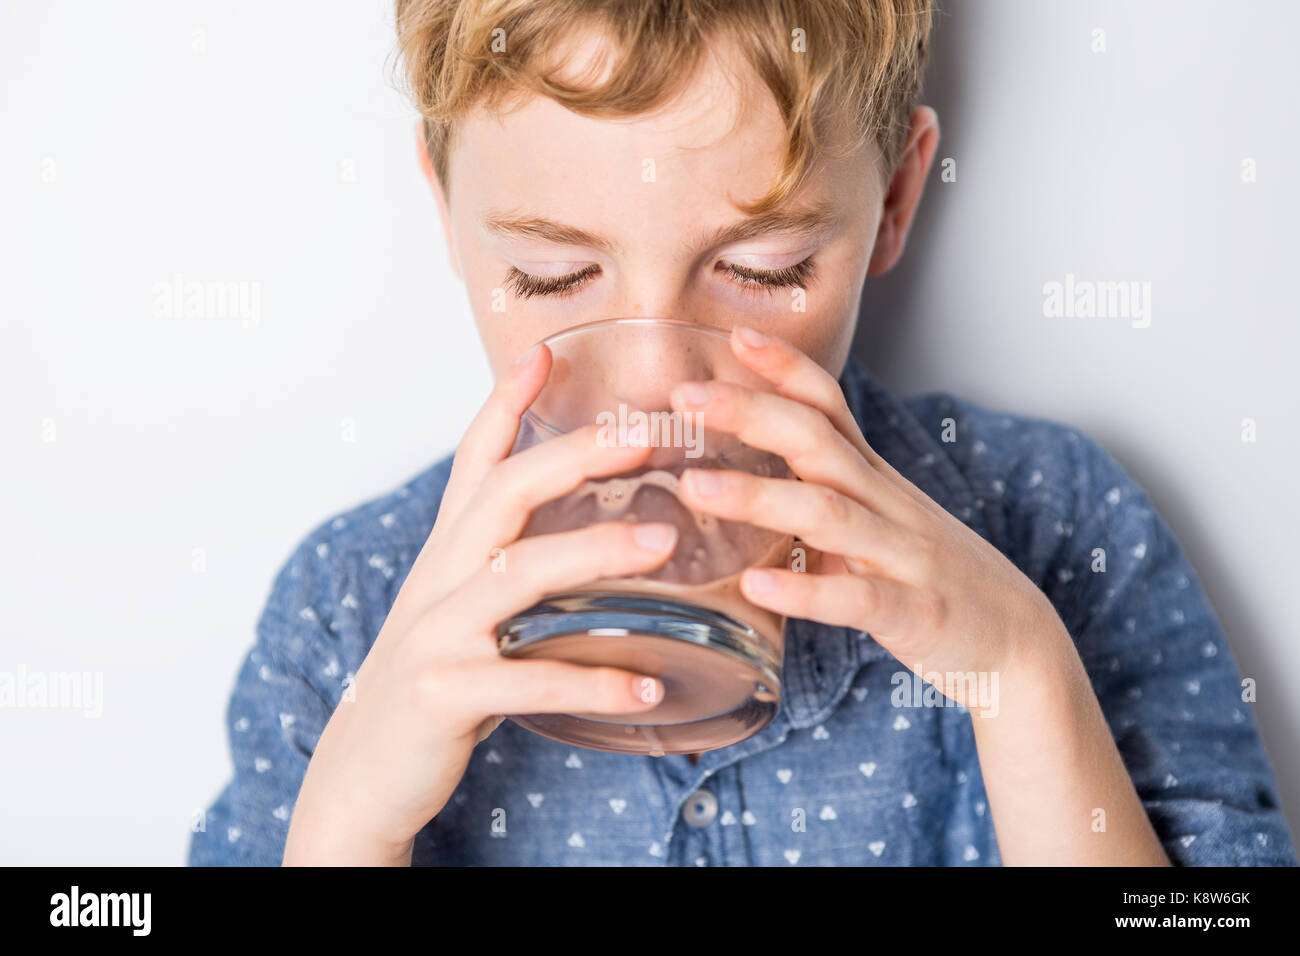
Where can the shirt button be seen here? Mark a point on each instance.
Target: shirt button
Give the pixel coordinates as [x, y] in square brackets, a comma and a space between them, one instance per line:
[700, 808]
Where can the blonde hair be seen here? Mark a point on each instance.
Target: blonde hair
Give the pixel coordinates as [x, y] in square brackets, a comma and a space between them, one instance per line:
[859, 67]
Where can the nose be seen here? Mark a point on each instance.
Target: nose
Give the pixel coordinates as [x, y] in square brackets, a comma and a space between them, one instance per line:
[643, 362]
[638, 360]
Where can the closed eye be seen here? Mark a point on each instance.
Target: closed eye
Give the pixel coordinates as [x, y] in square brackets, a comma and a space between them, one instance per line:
[793, 276]
[526, 285]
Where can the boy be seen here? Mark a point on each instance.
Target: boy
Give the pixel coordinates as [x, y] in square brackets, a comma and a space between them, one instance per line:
[746, 165]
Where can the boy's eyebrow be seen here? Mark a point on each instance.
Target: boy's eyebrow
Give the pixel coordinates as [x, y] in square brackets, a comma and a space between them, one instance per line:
[548, 230]
[801, 221]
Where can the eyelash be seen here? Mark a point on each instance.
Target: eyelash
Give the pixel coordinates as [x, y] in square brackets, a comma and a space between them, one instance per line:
[526, 286]
[790, 277]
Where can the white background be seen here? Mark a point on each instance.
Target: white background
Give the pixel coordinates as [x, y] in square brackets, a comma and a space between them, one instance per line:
[265, 144]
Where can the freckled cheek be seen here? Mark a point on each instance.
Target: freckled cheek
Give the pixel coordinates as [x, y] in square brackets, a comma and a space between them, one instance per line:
[824, 338]
[824, 331]
[503, 325]
[504, 339]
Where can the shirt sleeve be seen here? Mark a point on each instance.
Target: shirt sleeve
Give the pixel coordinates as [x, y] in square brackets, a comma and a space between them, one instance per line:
[1156, 654]
[274, 720]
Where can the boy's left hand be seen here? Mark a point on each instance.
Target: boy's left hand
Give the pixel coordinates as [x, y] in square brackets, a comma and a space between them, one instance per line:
[892, 562]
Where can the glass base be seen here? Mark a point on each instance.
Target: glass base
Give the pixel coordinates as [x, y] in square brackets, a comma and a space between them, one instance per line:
[721, 678]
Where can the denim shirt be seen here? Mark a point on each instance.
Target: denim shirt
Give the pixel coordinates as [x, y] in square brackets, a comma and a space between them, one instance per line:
[842, 774]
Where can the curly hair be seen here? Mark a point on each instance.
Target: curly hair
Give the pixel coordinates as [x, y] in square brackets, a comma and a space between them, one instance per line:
[842, 64]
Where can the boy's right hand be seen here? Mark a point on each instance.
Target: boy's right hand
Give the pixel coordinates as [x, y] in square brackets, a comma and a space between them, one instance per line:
[433, 684]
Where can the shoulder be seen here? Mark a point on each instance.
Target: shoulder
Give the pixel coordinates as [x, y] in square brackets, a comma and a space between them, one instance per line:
[1063, 509]
[1038, 489]
[1030, 465]
[389, 523]
[335, 588]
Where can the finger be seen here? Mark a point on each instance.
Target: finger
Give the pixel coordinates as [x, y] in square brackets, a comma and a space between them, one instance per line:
[816, 514]
[499, 510]
[799, 433]
[499, 507]
[556, 687]
[489, 438]
[886, 609]
[492, 433]
[528, 570]
[796, 376]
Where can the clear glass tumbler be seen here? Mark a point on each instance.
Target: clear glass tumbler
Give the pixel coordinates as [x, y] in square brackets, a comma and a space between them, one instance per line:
[718, 656]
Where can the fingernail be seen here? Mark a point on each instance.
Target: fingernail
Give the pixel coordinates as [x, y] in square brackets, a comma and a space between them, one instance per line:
[704, 482]
[693, 393]
[759, 581]
[647, 689]
[528, 356]
[655, 537]
[751, 337]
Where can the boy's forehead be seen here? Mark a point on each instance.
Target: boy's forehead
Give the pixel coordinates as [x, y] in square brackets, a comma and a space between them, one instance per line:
[715, 114]
[682, 170]
[717, 141]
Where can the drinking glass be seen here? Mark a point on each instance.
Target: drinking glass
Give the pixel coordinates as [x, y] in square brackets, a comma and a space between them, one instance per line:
[686, 623]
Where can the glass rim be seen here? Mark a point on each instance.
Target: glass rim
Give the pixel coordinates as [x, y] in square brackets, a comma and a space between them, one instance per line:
[681, 325]
[660, 321]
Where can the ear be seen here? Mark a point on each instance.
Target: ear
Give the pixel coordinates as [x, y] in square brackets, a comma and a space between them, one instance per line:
[439, 195]
[905, 188]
